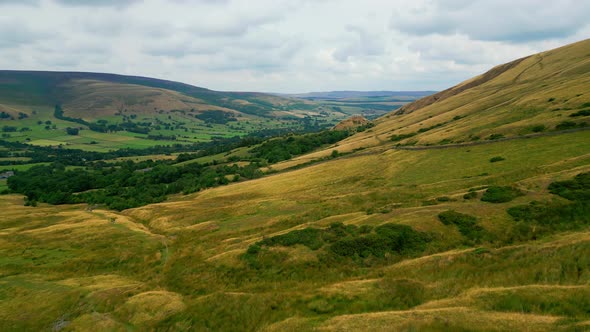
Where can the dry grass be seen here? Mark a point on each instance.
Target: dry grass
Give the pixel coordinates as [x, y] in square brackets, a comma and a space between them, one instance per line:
[440, 319]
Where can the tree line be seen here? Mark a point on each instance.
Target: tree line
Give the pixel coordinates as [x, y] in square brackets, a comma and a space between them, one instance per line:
[122, 185]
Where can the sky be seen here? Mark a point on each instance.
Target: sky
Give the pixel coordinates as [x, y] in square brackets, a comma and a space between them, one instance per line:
[289, 46]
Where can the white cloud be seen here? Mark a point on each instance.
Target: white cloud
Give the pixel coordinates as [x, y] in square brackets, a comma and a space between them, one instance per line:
[285, 45]
[499, 20]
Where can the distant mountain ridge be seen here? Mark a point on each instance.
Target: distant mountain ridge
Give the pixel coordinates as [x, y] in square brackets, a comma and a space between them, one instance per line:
[53, 87]
[358, 94]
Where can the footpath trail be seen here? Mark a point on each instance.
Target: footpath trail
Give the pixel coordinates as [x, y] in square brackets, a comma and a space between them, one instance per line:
[461, 145]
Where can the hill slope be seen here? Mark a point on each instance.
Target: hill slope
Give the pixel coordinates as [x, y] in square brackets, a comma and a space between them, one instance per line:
[489, 237]
[133, 109]
[49, 88]
[534, 94]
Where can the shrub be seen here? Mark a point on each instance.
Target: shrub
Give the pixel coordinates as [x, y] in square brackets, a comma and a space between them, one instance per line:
[538, 128]
[397, 138]
[309, 237]
[72, 131]
[388, 238]
[551, 99]
[365, 229]
[346, 241]
[498, 194]
[253, 249]
[495, 136]
[466, 224]
[566, 125]
[576, 189]
[580, 113]
[557, 215]
[496, 159]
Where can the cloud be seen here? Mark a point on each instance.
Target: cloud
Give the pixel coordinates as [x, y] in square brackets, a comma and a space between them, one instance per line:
[98, 3]
[19, 2]
[363, 44]
[463, 51]
[515, 21]
[285, 45]
[13, 33]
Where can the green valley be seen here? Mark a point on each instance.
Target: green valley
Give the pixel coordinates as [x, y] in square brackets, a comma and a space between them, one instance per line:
[467, 210]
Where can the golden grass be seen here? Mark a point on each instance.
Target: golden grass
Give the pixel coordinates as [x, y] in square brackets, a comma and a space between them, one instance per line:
[447, 318]
[151, 307]
[508, 104]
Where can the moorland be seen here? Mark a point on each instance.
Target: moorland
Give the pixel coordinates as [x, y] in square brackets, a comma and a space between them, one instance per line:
[466, 210]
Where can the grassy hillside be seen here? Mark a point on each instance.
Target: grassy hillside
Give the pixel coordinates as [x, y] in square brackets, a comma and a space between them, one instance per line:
[483, 237]
[137, 112]
[540, 93]
[120, 269]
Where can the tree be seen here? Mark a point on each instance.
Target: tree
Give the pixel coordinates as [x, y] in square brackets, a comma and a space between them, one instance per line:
[72, 131]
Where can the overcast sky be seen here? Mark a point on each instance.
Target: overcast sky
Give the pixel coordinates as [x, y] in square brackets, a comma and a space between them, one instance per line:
[286, 45]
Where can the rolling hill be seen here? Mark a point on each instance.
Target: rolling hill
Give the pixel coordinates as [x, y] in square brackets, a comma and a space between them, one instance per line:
[80, 92]
[413, 224]
[140, 111]
[539, 94]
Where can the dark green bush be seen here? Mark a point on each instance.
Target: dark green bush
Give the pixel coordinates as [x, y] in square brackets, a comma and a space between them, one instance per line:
[388, 238]
[470, 195]
[575, 189]
[538, 128]
[496, 159]
[365, 229]
[495, 136]
[466, 224]
[347, 241]
[580, 113]
[397, 138]
[558, 215]
[566, 125]
[309, 237]
[498, 194]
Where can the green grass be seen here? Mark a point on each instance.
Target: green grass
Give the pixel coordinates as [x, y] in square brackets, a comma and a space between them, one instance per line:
[23, 167]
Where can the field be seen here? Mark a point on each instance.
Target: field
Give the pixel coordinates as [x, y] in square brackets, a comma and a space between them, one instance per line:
[184, 128]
